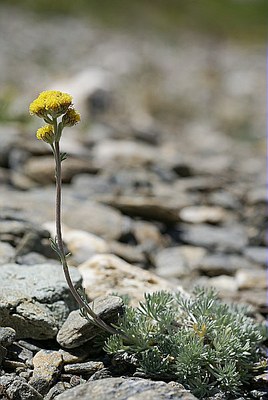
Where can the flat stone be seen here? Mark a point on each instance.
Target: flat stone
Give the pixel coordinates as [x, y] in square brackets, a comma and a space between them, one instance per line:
[33, 258]
[88, 186]
[123, 152]
[47, 366]
[106, 274]
[127, 389]
[178, 261]
[257, 254]
[231, 238]
[73, 355]
[86, 369]
[77, 330]
[145, 207]
[89, 216]
[99, 219]
[35, 299]
[201, 214]
[223, 284]
[222, 264]
[251, 279]
[82, 245]
[42, 169]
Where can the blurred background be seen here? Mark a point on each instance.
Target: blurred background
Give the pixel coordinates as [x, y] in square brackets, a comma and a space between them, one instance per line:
[171, 62]
[168, 163]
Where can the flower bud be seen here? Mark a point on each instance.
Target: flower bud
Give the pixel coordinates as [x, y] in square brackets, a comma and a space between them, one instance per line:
[46, 133]
[71, 118]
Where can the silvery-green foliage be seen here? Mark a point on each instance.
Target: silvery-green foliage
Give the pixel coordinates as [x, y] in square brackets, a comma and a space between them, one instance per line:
[197, 340]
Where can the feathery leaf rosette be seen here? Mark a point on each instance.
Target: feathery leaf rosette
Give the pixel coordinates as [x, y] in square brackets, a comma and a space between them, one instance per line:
[46, 133]
[208, 346]
[51, 102]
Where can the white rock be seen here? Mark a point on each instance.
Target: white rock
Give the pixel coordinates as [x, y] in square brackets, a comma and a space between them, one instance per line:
[106, 274]
[82, 245]
[223, 284]
[124, 151]
[200, 214]
[251, 279]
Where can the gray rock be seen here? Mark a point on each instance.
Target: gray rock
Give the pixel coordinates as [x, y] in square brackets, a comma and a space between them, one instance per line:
[7, 252]
[35, 299]
[76, 330]
[57, 389]
[19, 390]
[230, 239]
[73, 355]
[256, 254]
[41, 169]
[127, 389]
[89, 216]
[109, 153]
[20, 227]
[96, 218]
[83, 245]
[47, 366]
[7, 336]
[33, 258]
[223, 284]
[86, 369]
[145, 207]
[178, 261]
[223, 199]
[88, 186]
[222, 264]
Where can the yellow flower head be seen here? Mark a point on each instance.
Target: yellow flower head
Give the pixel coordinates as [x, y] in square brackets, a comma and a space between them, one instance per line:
[46, 133]
[51, 102]
[71, 118]
[37, 108]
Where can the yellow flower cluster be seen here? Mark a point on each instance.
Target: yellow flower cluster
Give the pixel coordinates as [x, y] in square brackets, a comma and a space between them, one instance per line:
[50, 105]
[46, 133]
[71, 117]
[50, 102]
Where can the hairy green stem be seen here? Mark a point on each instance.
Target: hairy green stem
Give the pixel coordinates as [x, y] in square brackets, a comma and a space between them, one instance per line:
[95, 318]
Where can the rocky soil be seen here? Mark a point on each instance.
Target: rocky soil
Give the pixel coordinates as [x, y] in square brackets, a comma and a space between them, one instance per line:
[164, 188]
